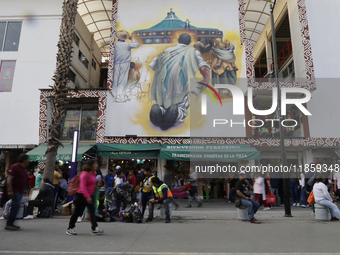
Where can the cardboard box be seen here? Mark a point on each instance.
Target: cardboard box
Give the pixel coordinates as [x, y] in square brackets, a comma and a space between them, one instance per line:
[67, 208]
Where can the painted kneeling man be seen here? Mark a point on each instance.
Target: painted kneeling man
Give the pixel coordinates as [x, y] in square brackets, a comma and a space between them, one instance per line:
[174, 69]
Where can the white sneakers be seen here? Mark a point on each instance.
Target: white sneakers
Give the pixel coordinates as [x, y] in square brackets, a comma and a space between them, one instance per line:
[71, 232]
[298, 204]
[79, 219]
[304, 206]
[97, 231]
[266, 209]
[28, 217]
[294, 204]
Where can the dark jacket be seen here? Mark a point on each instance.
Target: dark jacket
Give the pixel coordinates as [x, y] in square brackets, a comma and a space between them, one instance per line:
[164, 191]
[168, 179]
[120, 192]
[46, 193]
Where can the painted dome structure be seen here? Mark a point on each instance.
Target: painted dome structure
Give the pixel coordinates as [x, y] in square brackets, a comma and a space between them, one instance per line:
[167, 30]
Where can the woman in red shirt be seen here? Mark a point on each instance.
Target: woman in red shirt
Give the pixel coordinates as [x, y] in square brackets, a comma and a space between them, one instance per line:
[132, 180]
[83, 198]
[31, 179]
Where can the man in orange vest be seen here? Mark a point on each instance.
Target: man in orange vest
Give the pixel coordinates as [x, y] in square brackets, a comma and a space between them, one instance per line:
[161, 194]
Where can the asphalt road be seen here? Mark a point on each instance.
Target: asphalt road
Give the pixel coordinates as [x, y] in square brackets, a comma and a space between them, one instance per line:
[214, 231]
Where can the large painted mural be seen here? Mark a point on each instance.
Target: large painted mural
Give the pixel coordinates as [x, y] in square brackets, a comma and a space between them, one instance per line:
[166, 54]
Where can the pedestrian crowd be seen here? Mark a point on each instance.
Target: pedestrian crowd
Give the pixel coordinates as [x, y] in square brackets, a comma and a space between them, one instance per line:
[105, 198]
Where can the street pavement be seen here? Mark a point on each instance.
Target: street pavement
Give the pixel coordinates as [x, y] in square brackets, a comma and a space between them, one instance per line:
[210, 229]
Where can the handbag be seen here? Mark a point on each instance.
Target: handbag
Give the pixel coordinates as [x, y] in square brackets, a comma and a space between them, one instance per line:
[311, 199]
[188, 186]
[271, 199]
[238, 202]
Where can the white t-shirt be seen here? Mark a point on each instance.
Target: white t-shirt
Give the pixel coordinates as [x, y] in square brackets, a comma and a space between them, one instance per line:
[302, 179]
[118, 181]
[258, 189]
[320, 192]
[337, 178]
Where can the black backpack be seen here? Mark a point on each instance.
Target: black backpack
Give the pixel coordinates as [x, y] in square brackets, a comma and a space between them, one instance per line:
[136, 214]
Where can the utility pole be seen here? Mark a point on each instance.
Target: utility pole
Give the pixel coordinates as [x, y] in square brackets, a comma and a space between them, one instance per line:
[282, 139]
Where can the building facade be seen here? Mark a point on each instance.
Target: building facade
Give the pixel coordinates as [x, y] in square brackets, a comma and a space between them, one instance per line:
[307, 59]
[29, 33]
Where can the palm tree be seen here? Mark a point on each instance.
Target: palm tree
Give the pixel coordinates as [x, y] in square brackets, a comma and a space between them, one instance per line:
[60, 78]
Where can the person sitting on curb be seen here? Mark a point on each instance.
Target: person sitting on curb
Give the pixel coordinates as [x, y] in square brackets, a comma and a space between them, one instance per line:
[44, 198]
[322, 197]
[242, 192]
[161, 194]
[103, 214]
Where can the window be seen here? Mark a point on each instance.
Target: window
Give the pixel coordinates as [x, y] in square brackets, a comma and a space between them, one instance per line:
[83, 118]
[72, 76]
[10, 35]
[6, 75]
[289, 71]
[94, 64]
[83, 59]
[76, 39]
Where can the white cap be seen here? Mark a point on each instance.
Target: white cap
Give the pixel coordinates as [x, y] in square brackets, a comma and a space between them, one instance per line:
[242, 172]
[118, 167]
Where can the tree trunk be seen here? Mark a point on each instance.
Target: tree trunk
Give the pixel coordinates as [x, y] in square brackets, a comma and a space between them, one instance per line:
[59, 100]
[50, 164]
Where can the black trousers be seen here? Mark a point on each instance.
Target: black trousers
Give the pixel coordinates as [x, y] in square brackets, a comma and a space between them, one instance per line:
[118, 205]
[146, 196]
[80, 203]
[36, 203]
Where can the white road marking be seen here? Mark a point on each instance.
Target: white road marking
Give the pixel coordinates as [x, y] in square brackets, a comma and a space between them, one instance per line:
[150, 253]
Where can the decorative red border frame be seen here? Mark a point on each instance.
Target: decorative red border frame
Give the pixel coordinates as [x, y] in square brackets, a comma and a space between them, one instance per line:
[250, 73]
[101, 121]
[310, 83]
[291, 142]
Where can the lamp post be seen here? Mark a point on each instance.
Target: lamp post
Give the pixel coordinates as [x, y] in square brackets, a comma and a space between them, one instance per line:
[73, 171]
[283, 152]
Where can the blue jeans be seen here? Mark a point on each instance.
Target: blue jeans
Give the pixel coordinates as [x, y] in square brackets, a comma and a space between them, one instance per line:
[293, 186]
[251, 206]
[275, 191]
[16, 199]
[333, 209]
[108, 190]
[232, 193]
[303, 196]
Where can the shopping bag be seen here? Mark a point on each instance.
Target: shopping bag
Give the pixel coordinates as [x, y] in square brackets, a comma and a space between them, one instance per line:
[271, 199]
[311, 199]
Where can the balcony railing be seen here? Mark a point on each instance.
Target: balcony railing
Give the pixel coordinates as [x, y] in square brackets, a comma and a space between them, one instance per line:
[284, 54]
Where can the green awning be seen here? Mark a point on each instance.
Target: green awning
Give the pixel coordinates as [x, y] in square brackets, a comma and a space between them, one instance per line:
[213, 152]
[210, 154]
[130, 154]
[64, 153]
[127, 147]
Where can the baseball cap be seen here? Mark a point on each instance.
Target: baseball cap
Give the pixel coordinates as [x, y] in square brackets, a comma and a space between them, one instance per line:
[242, 173]
[118, 167]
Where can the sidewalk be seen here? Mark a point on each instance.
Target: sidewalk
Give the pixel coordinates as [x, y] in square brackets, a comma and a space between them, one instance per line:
[219, 209]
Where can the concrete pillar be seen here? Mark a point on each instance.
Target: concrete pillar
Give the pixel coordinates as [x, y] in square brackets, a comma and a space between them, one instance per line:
[160, 164]
[105, 167]
[269, 53]
[308, 156]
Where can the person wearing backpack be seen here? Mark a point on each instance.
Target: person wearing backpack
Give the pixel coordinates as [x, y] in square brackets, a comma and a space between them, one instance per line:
[82, 199]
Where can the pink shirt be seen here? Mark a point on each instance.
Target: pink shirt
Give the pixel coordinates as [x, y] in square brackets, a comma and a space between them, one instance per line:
[88, 183]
